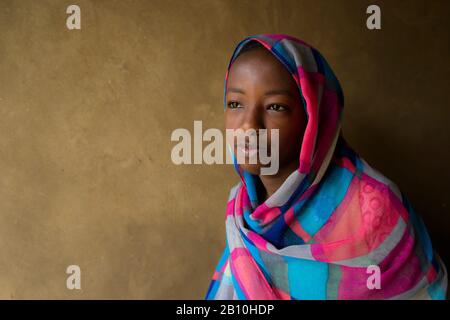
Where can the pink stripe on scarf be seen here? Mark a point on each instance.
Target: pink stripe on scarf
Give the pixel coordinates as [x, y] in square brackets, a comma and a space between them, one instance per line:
[249, 277]
[310, 91]
[295, 226]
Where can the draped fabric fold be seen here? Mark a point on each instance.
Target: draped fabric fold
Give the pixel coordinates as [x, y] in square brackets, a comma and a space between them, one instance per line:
[336, 228]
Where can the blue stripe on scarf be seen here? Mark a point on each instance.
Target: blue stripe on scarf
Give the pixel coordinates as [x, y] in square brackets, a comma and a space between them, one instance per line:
[214, 285]
[310, 279]
[321, 206]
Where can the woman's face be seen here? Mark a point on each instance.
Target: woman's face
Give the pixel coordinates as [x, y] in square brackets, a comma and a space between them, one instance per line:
[261, 94]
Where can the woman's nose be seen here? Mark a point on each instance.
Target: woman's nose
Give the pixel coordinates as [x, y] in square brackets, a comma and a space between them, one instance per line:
[252, 119]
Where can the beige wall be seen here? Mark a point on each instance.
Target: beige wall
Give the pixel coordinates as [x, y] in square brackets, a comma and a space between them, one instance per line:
[86, 117]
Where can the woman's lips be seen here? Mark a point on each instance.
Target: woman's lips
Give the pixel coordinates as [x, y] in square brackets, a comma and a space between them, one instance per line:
[248, 150]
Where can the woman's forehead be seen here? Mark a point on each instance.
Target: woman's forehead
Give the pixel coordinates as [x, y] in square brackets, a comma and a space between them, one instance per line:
[260, 67]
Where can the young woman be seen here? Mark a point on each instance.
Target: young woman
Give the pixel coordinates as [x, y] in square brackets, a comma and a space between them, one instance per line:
[327, 225]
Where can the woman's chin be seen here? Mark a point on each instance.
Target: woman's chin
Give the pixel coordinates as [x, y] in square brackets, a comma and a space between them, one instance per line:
[254, 169]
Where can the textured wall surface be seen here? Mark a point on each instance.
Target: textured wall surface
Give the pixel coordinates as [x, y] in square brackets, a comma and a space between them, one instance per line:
[86, 117]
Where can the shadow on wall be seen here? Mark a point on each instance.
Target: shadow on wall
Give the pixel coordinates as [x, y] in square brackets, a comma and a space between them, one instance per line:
[398, 157]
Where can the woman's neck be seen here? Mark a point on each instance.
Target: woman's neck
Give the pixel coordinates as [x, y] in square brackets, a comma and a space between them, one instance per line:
[271, 183]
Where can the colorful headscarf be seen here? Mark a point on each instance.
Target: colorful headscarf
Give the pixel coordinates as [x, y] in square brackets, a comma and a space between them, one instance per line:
[334, 224]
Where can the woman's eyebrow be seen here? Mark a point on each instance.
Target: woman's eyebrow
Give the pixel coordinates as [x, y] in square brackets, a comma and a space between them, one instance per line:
[279, 92]
[267, 93]
[232, 89]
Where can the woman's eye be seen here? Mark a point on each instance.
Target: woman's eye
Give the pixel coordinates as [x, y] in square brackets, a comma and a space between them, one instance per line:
[276, 107]
[233, 105]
